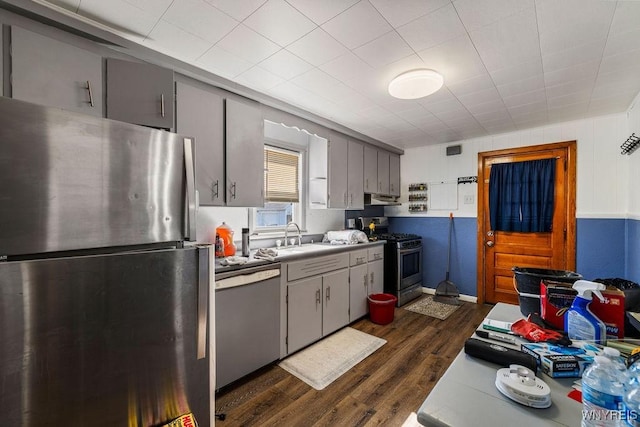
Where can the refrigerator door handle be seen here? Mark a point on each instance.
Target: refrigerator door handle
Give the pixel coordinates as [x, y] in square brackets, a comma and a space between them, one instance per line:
[191, 190]
[204, 278]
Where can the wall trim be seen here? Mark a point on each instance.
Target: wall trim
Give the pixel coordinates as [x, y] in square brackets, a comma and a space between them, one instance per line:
[466, 298]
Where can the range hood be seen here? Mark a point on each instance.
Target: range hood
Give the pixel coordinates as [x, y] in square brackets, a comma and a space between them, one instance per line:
[380, 200]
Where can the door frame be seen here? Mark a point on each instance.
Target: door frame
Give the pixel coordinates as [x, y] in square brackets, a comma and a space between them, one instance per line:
[570, 195]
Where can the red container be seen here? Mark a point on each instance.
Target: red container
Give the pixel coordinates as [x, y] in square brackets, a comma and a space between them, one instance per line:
[382, 308]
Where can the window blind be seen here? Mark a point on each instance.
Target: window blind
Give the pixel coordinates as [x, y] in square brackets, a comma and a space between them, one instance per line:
[281, 175]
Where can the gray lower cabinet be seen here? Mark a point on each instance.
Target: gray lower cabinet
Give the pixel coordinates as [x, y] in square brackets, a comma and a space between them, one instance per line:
[376, 277]
[200, 114]
[140, 93]
[304, 313]
[56, 74]
[244, 144]
[335, 310]
[394, 175]
[358, 291]
[366, 277]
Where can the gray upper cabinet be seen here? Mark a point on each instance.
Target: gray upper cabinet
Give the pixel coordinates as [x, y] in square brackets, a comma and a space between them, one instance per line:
[394, 174]
[383, 172]
[355, 175]
[200, 114]
[338, 167]
[56, 74]
[244, 153]
[370, 169]
[140, 93]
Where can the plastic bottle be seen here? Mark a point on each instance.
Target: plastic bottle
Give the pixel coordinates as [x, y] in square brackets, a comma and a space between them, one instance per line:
[245, 242]
[602, 394]
[632, 396]
[614, 355]
[580, 323]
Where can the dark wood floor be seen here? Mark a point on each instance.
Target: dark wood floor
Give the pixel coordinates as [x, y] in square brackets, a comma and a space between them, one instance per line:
[381, 390]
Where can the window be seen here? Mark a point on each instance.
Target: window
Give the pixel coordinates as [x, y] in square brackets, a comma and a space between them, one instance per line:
[283, 198]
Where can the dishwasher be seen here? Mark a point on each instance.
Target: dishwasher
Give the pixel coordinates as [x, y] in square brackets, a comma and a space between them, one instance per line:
[247, 321]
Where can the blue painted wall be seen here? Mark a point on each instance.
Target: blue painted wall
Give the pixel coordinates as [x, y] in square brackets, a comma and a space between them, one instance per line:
[633, 250]
[605, 248]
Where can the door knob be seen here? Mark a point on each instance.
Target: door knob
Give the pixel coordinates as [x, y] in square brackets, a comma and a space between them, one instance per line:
[490, 243]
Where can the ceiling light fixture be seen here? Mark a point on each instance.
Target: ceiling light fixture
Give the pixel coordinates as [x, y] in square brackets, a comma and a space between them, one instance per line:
[416, 84]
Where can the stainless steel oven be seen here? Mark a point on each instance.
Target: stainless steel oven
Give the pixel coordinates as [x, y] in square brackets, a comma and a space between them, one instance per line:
[402, 259]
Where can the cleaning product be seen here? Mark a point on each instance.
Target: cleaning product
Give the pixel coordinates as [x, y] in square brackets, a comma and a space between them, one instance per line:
[580, 323]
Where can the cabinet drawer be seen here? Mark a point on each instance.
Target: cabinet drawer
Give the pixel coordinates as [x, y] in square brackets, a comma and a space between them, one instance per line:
[376, 253]
[314, 266]
[358, 257]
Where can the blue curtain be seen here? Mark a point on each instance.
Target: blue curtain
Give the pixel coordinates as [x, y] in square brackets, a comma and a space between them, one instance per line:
[521, 196]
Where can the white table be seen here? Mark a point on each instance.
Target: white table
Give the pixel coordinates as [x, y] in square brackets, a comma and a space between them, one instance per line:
[466, 394]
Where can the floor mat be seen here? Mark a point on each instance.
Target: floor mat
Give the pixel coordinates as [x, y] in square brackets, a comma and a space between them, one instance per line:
[427, 306]
[325, 361]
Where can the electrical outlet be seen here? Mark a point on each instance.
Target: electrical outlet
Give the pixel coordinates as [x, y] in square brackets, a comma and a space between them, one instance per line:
[469, 199]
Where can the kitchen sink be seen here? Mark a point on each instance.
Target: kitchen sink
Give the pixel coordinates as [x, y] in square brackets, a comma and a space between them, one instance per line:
[306, 248]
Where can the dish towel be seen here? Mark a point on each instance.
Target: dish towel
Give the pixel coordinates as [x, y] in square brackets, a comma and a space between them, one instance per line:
[266, 253]
[234, 260]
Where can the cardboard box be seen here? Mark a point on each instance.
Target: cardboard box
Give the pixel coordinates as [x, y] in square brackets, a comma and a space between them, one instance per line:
[556, 298]
[186, 420]
[562, 362]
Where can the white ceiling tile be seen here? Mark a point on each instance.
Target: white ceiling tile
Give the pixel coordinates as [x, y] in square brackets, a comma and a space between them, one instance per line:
[576, 55]
[480, 97]
[315, 80]
[317, 47]
[623, 42]
[174, 41]
[134, 17]
[248, 45]
[608, 106]
[400, 12]
[575, 86]
[357, 25]
[457, 60]
[537, 109]
[268, 21]
[259, 79]
[525, 98]
[474, 84]
[617, 62]
[478, 13]
[432, 29]
[568, 112]
[486, 107]
[321, 11]
[492, 116]
[285, 64]
[291, 93]
[515, 72]
[223, 63]
[522, 86]
[200, 18]
[570, 99]
[239, 10]
[346, 67]
[584, 71]
[384, 50]
[348, 98]
[512, 40]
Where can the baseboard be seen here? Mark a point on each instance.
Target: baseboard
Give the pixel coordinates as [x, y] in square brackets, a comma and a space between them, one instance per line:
[466, 298]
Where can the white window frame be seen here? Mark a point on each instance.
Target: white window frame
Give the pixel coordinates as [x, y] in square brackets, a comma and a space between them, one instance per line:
[300, 214]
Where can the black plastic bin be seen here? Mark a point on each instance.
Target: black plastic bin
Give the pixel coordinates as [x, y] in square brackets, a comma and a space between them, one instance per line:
[527, 284]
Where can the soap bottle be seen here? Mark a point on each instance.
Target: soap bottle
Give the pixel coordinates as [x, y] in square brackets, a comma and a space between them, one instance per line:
[579, 322]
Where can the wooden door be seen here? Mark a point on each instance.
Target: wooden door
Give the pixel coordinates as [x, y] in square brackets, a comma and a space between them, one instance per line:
[500, 251]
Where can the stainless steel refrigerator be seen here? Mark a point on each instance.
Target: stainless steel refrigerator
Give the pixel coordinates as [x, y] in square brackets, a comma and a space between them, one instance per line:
[104, 303]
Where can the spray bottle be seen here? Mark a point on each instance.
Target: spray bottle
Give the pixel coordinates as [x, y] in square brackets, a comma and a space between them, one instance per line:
[579, 322]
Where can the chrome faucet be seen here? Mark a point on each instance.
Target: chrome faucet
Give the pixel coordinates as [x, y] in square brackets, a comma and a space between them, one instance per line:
[286, 234]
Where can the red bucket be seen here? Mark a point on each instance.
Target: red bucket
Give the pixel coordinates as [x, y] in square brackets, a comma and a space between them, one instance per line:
[382, 308]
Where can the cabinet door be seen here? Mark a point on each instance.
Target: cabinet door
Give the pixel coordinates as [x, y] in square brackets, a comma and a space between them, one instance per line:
[383, 172]
[370, 169]
[140, 93]
[335, 313]
[304, 313]
[200, 114]
[244, 145]
[376, 277]
[337, 168]
[52, 73]
[358, 291]
[355, 175]
[394, 174]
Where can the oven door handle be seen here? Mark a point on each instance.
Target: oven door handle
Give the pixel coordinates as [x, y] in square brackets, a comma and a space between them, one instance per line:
[408, 251]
